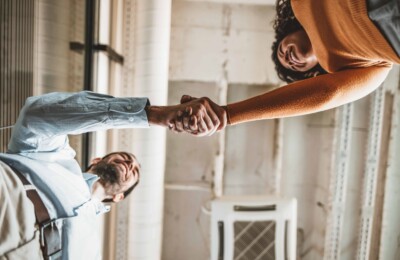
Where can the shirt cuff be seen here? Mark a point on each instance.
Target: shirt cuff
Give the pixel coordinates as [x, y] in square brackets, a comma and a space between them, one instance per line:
[129, 112]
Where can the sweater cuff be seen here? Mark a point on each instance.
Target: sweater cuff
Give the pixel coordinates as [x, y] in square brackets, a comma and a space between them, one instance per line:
[227, 114]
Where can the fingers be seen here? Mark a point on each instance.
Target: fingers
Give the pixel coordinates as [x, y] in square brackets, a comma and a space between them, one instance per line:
[186, 118]
[202, 124]
[218, 114]
[215, 122]
[222, 115]
[206, 120]
[178, 122]
[193, 124]
[211, 118]
[199, 117]
[187, 98]
[185, 122]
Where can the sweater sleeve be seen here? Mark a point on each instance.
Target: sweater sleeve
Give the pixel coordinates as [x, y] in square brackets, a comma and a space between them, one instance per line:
[309, 96]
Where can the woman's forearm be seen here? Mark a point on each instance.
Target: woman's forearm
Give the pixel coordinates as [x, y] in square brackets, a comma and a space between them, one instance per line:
[308, 96]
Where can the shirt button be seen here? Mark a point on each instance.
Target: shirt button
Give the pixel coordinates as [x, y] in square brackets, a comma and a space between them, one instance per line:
[129, 107]
[131, 119]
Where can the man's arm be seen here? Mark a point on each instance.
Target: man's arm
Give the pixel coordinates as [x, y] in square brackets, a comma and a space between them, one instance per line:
[45, 121]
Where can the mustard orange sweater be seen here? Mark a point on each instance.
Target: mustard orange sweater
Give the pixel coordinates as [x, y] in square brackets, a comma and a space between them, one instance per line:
[347, 45]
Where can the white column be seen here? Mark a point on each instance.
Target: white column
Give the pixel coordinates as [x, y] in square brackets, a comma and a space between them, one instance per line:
[389, 239]
[151, 47]
[370, 175]
[338, 183]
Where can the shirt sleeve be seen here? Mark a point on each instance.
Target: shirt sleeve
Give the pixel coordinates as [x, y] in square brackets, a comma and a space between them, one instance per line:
[45, 121]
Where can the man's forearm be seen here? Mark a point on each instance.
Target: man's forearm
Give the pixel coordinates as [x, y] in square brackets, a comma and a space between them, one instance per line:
[154, 115]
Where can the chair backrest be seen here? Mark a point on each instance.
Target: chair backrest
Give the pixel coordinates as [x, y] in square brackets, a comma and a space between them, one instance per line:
[256, 227]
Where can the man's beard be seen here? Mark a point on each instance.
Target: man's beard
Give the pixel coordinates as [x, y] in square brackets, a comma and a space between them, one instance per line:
[107, 172]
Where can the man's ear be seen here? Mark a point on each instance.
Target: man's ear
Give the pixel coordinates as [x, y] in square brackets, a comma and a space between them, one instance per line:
[118, 197]
[95, 161]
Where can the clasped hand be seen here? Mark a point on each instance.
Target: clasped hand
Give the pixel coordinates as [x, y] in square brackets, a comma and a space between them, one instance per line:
[198, 116]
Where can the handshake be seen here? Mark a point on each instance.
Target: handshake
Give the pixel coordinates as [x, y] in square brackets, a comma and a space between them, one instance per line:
[196, 116]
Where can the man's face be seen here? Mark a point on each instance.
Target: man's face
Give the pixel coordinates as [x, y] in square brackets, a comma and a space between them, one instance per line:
[117, 171]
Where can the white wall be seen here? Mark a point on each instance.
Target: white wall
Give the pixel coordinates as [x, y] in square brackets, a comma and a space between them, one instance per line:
[249, 151]
[207, 38]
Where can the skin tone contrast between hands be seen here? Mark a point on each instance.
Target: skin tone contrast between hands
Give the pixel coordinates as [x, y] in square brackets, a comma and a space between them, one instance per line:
[196, 116]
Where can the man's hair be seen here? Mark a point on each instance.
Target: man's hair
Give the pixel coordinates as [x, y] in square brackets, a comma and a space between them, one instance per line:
[130, 189]
[284, 24]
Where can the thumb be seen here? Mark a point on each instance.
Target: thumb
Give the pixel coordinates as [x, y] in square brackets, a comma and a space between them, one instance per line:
[187, 98]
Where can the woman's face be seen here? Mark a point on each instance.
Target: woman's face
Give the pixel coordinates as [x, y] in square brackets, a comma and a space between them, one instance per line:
[295, 52]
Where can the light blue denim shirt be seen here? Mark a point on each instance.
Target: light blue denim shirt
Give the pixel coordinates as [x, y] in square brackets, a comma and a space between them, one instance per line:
[39, 148]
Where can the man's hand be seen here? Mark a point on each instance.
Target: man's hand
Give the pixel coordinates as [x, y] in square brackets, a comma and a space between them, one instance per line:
[201, 117]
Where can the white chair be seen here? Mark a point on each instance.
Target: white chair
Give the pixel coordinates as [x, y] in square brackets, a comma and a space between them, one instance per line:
[256, 227]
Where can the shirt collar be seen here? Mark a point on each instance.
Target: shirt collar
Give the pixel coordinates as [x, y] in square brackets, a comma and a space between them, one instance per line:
[101, 208]
[90, 179]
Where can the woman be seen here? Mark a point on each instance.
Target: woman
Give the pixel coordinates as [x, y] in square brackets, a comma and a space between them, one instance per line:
[334, 52]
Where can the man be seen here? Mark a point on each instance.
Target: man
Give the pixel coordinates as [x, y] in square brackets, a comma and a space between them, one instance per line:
[40, 158]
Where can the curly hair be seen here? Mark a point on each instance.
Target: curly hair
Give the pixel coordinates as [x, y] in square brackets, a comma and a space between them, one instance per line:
[284, 24]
